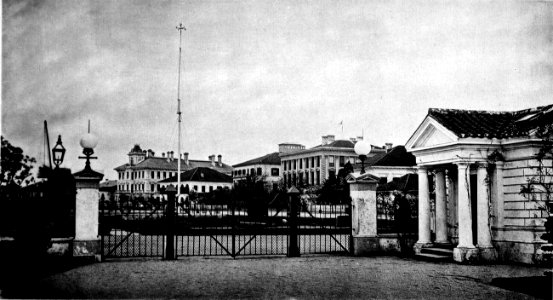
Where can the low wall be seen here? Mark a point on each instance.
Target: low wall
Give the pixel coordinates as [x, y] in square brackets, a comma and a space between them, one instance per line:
[389, 243]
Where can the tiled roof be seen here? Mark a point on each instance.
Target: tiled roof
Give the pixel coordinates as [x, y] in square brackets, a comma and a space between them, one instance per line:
[269, 159]
[488, 124]
[200, 174]
[397, 157]
[161, 163]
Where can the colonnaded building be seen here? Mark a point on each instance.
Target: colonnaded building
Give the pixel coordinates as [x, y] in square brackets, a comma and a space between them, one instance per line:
[477, 162]
[140, 176]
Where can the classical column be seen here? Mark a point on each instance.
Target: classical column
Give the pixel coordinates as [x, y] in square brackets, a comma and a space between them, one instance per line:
[441, 208]
[464, 206]
[465, 249]
[482, 210]
[486, 250]
[424, 210]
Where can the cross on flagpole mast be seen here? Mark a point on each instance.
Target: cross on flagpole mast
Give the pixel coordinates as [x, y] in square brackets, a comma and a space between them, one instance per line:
[180, 28]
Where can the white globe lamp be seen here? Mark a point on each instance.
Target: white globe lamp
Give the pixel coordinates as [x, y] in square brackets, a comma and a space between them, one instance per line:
[362, 148]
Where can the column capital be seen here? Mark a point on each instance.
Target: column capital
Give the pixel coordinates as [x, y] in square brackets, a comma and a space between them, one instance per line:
[463, 163]
[422, 169]
[439, 170]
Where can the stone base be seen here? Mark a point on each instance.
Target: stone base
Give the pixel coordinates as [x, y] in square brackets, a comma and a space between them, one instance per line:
[61, 247]
[465, 255]
[365, 245]
[90, 248]
[488, 254]
[418, 246]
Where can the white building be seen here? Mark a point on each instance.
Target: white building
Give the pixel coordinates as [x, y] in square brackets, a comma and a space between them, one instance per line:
[266, 168]
[144, 170]
[479, 161]
[201, 180]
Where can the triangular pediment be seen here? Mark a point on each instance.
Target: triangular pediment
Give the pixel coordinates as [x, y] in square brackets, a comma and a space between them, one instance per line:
[430, 133]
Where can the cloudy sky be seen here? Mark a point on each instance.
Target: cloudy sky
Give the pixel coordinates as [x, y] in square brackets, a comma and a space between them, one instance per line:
[259, 73]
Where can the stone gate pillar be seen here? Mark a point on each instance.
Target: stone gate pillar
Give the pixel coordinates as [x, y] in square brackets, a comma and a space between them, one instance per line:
[87, 240]
[363, 213]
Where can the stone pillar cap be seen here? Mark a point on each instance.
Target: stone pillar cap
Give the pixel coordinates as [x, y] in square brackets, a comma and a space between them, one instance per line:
[356, 177]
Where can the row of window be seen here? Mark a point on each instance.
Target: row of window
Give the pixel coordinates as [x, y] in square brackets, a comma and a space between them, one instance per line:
[142, 174]
[141, 187]
[315, 162]
[255, 172]
[307, 178]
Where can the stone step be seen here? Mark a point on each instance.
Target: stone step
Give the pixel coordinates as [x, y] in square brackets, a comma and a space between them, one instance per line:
[434, 257]
[437, 251]
[443, 246]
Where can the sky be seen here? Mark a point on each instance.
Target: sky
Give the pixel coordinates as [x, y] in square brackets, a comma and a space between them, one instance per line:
[259, 73]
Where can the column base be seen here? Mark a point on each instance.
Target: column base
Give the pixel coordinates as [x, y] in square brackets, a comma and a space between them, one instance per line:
[465, 254]
[419, 245]
[487, 254]
[87, 248]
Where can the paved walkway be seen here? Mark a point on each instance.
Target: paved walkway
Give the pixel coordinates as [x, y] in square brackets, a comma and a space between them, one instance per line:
[280, 277]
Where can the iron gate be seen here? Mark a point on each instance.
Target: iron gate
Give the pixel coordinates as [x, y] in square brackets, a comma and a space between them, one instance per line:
[224, 229]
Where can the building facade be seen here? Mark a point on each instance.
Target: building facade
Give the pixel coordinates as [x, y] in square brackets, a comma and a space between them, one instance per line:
[144, 170]
[314, 165]
[266, 168]
[476, 162]
[201, 180]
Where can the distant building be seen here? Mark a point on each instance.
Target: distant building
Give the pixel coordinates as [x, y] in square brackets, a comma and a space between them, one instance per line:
[314, 165]
[266, 168]
[200, 180]
[144, 170]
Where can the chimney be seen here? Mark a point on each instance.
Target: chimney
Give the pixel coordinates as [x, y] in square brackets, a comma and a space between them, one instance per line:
[172, 155]
[330, 138]
[212, 159]
[388, 147]
[359, 138]
[163, 154]
[353, 140]
[325, 140]
[185, 155]
[150, 153]
[220, 160]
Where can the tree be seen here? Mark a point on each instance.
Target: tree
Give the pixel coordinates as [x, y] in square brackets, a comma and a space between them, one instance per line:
[16, 166]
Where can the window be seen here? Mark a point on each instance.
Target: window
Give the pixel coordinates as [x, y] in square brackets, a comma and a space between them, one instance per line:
[252, 171]
[210, 188]
[307, 163]
[307, 178]
[318, 161]
[196, 188]
[164, 175]
[203, 188]
[274, 171]
[152, 175]
[259, 171]
[151, 187]
[342, 160]
[312, 162]
[301, 163]
[294, 164]
[284, 166]
[318, 177]
[331, 161]
[158, 175]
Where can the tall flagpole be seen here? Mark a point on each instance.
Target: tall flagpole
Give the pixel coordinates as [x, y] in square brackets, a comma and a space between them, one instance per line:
[180, 28]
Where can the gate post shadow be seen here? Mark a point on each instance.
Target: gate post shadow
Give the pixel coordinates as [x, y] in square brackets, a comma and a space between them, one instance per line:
[293, 205]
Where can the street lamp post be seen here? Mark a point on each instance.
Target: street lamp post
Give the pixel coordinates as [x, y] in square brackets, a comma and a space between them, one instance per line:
[362, 149]
[58, 152]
